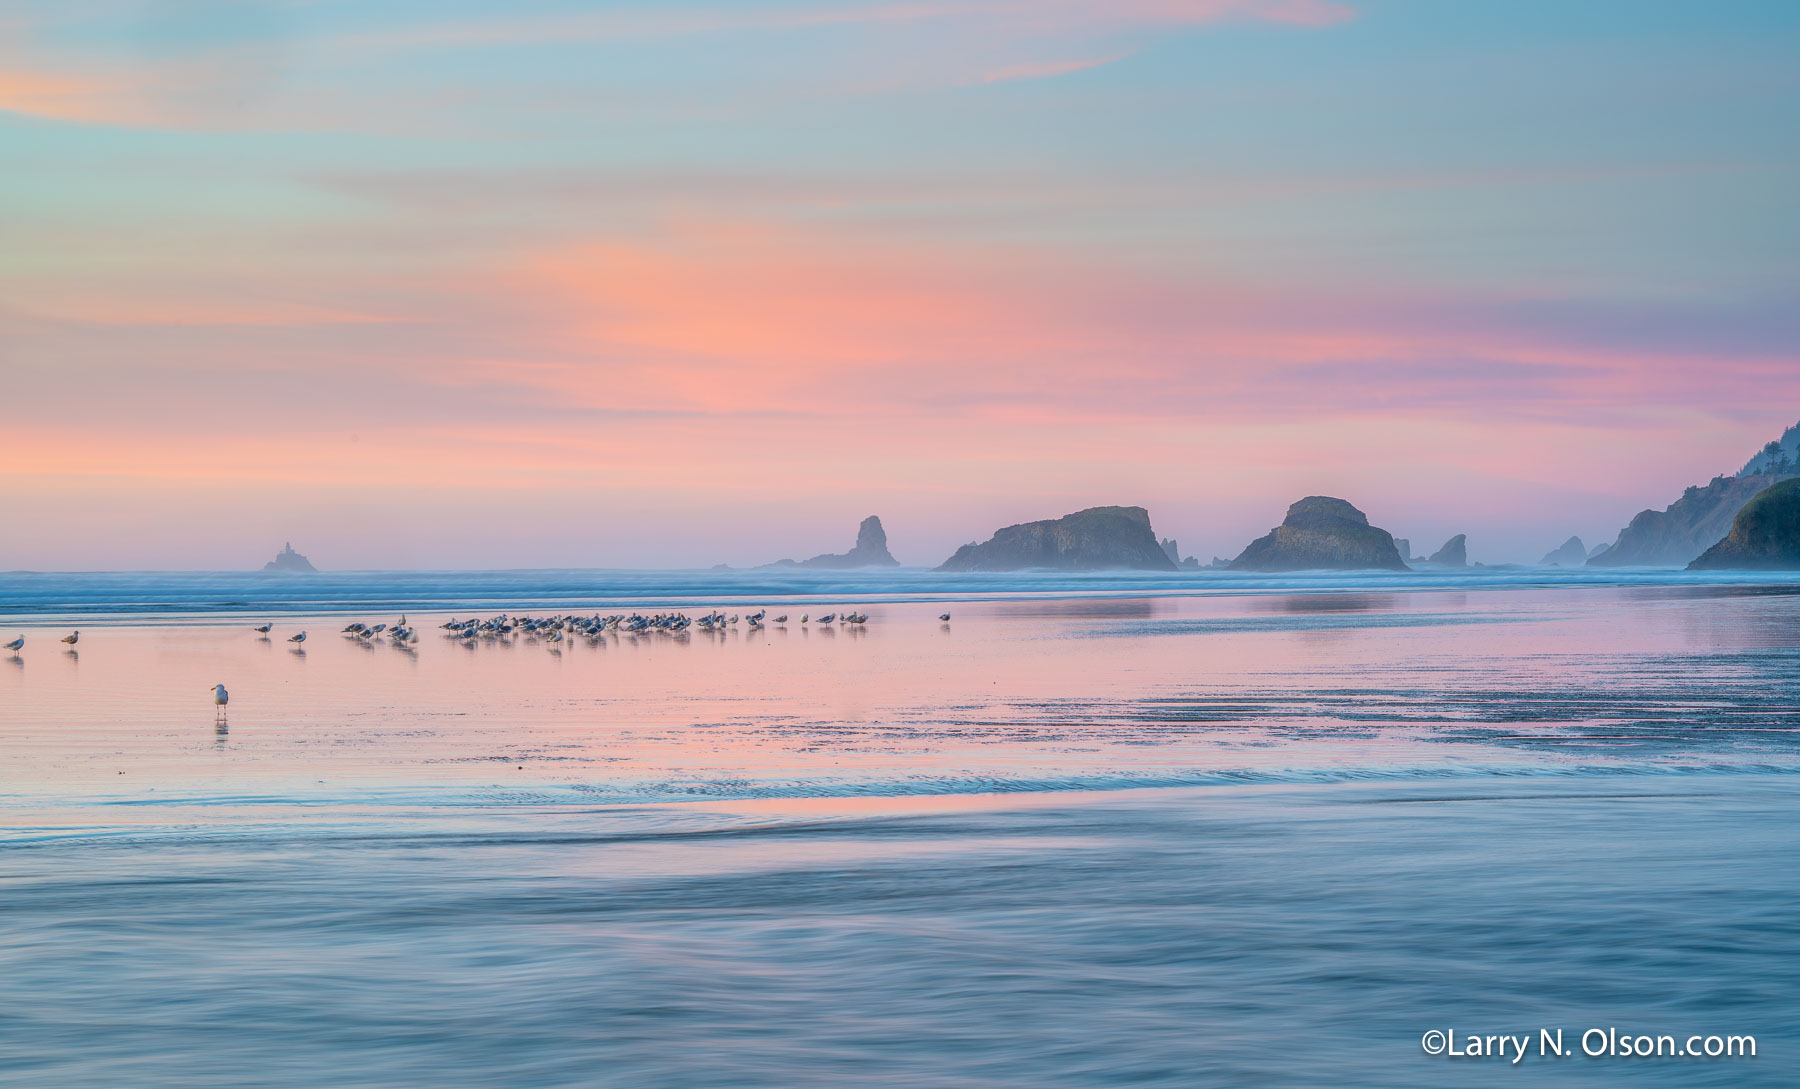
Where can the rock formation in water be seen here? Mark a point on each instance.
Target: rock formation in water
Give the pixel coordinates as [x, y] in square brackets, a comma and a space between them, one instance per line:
[1690, 525]
[1765, 535]
[1091, 540]
[1404, 547]
[1171, 550]
[1600, 549]
[1322, 533]
[289, 560]
[1455, 552]
[871, 551]
[1571, 553]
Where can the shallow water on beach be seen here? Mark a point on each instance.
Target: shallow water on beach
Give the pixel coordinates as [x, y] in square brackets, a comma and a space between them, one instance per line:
[915, 853]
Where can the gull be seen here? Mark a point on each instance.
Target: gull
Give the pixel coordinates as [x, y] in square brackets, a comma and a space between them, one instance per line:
[946, 616]
[262, 628]
[16, 644]
[220, 696]
[72, 638]
[301, 638]
[782, 619]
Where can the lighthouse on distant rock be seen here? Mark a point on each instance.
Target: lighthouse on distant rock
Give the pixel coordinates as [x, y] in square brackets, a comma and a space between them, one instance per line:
[289, 560]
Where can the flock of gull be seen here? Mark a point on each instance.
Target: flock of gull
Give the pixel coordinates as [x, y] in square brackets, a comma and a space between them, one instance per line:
[559, 627]
[552, 629]
[555, 629]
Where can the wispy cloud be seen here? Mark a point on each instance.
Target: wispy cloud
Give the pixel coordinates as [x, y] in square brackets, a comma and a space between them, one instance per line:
[55, 97]
[349, 70]
[1049, 69]
[204, 88]
[1034, 17]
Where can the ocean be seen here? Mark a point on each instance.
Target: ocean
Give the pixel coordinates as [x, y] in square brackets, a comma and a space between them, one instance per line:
[1151, 830]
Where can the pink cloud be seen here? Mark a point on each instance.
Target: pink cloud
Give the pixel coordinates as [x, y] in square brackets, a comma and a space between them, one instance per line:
[55, 97]
[212, 89]
[763, 318]
[1049, 69]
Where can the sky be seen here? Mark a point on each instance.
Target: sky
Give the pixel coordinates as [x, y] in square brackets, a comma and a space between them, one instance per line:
[447, 284]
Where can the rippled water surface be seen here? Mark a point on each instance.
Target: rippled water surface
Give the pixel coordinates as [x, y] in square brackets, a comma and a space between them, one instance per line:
[1262, 836]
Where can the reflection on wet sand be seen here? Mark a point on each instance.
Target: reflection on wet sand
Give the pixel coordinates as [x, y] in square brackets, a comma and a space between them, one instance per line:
[1102, 693]
[1327, 603]
[1095, 608]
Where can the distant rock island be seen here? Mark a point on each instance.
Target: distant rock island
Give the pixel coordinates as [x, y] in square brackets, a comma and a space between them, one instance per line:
[1095, 539]
[289, 560]
[1455, 552]
[1571, 553]
[1172, 549]
[1764, 536]
[871, 551]
[1322, 533]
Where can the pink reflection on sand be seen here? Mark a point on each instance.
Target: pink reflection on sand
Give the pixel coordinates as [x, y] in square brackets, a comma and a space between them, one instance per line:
[1012, 695]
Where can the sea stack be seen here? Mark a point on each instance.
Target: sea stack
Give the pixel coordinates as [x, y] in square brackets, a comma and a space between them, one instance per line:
[1091, 540]
[1571, 553]
[289, 560]
[1322, 533]
[1765, 535]
[871, 551]
[1455, 552]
